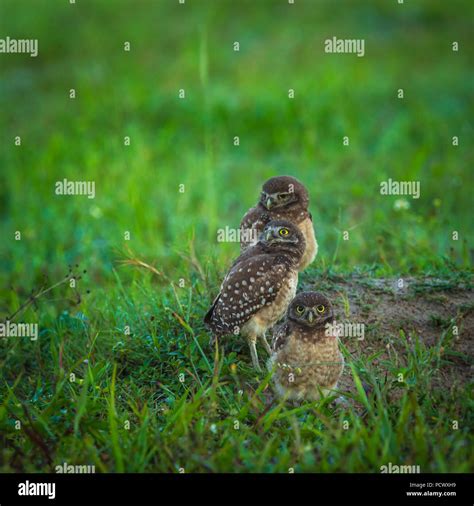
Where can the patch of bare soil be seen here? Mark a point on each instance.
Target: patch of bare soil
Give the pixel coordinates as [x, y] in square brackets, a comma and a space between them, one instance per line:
[430, 308]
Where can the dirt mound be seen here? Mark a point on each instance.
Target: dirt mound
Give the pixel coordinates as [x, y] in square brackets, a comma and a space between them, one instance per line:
[439, 311]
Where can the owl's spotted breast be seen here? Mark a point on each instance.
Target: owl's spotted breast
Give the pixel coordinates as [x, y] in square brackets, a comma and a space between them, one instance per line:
[304, 364]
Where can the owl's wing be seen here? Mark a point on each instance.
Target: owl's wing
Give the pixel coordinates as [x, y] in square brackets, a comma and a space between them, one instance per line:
[243, 256]
[254, 219]
[280, 335]
[249, 286]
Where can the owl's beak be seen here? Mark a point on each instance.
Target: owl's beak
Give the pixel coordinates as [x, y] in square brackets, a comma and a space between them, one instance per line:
[310, 317]
[269, 203]
[268, 235]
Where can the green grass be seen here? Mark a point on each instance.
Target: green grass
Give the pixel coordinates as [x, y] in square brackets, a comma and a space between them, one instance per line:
[135, 377]
[219, 417]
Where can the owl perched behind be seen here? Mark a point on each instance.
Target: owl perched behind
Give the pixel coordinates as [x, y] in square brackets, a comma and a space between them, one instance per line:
[282, 198]
[305, 360]
[259, 286]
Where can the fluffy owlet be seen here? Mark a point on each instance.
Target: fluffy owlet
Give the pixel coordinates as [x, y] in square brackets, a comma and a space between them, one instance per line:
[259, 286]
[282, 198]
[305, 359]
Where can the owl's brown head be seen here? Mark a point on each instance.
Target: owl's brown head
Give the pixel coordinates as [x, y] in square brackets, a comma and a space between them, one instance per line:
[283, 192]
[310, 309]
[281, 236]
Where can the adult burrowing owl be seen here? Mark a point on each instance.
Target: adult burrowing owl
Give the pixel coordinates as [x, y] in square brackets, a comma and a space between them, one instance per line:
[259, 286]
[282, 198]
[305, 359]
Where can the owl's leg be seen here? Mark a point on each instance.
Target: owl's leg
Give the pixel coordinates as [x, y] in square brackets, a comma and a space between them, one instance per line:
[212, 340]
[252, 340]
[265, 344]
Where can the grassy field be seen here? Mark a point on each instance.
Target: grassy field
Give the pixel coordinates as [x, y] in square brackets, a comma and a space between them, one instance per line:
[121, 376]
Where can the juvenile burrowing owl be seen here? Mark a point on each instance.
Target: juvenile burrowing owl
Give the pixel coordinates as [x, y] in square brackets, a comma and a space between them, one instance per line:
[259, 286]
[304, 358]
[282, 198]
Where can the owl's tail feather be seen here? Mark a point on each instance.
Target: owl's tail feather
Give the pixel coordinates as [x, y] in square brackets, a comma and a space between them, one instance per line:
[208, 316]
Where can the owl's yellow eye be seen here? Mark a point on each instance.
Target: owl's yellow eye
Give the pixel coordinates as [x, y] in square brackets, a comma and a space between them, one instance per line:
[320, 308]
[300, 309]
[284, 232]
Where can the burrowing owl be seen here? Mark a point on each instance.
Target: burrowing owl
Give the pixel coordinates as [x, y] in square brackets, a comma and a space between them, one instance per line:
[259, 286]
[305, 359]
[282, 198]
